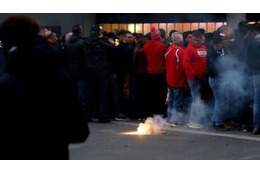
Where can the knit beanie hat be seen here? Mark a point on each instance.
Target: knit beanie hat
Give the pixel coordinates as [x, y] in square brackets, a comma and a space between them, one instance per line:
[155, 34]
[95, 28]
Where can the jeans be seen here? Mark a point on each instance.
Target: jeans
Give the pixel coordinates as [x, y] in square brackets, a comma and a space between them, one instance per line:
[102, 86]
[81, 90]
[198, 108]
[113, 93]
[175, 104]
[256, 107]
[220, 101]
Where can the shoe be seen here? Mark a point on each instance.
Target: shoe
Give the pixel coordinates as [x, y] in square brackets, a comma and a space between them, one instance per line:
[221, 128]
[256, 132]
[245, 128]
[120, 117]
[104, 120]
[89, 120]
[195, 126]
[171, 124]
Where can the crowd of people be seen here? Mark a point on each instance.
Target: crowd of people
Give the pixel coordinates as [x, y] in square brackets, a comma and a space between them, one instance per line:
[193, 78]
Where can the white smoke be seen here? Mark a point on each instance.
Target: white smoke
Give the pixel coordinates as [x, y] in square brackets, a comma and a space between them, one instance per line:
[153, 125]
[236, 86]
[236, 91]
[199, 112]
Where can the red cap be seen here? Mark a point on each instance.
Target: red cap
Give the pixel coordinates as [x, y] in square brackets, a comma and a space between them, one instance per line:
[155, 34]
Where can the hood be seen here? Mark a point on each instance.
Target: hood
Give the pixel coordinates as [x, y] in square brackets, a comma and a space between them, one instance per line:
[191, 43]
[35, 57]
[93, 39]
[152, 43]
[74, 38]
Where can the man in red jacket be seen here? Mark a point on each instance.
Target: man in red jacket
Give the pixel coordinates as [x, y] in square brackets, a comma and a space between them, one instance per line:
[176, 79]
[196, 69]
[157, 88]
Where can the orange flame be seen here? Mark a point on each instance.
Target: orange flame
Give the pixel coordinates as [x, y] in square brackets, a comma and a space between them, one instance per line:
[144, 129]
[151, 126]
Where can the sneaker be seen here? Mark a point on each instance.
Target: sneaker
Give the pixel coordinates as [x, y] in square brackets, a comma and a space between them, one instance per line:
[256, 132]
[245, 128]
[195, 126]
[120, 117]
[171, 124]
[221, 128]
[104, 120]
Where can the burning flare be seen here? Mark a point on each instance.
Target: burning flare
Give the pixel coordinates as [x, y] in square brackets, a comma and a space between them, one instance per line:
[155, 125]
[144, 129]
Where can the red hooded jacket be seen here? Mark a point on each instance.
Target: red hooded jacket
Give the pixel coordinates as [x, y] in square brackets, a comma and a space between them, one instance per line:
[154, 51]
[194, 61]
[175, 73]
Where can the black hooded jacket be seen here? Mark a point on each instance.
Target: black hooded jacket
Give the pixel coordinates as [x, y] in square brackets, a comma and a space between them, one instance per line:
[39, 110]
[253, 54]
[74, 51]
[96, 57]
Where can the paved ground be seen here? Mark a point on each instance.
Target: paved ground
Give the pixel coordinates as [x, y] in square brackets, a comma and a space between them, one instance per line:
[107, 142]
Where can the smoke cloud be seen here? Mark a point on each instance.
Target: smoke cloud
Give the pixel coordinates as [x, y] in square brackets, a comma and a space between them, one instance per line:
[153, 125]
[236, 85]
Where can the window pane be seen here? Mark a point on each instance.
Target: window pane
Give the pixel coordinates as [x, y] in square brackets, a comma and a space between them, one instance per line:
[186, 27]
[163, 26]
[170, 26]
[155, 25]
[115, 27]
[211, 27]
[147, 28]
[131, 27]
[122, 26]
[194, 26]
[139, 28]
[203, 25]
[179, 27]
[218, 24]
[107, 27]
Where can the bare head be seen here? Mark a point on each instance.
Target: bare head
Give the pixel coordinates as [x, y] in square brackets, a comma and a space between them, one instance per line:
[197, 38]
[177, 38]
[16, 30]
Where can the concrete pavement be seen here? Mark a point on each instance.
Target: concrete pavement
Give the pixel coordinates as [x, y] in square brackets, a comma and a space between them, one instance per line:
[108, 142]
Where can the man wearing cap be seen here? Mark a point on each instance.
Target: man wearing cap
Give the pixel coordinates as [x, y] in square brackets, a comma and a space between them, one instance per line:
[157, 88]
[96, 64]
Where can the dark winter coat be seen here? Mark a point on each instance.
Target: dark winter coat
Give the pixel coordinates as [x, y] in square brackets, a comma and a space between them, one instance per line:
[140, 62]
[213, 62]
[124, 58]
[2, 61]
[39, 110]
[74, 51]
[253, 54]
[96, 57]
